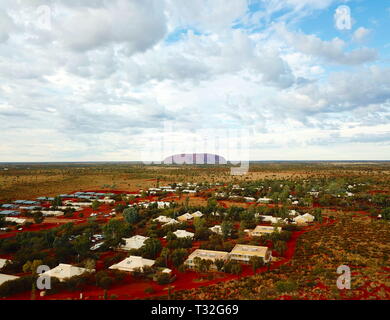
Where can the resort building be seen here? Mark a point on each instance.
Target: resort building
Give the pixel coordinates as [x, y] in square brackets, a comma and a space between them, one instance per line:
[206, 255]
[163, 219]
[264, 200]
[65, 271]
[243, 253]
[197, 214]
[135, 242]
[261, 230]
[6, 277]
[3, 262]
[183, 234]
[185, 217]
[304, 219]
[132, 263]
[270, 219]
[216, 229]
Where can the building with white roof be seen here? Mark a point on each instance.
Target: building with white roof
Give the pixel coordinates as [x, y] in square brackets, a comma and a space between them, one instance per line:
[185, 217]
[292, 213]
[163, 219]
[262, 230]
[134, 242]
[54, 213]
[3, 262]
[106, 201]
[264, 200]
[197, 214]
[65, 271]
[206, 255]
[243, 253]
[172, 221]
[188, 191]
[69, 207]
[270, 219]
[304, 219]
[78, 204]
[131, 263]
[183, 234]
[6, 277]
[15, 220]
[216, 229]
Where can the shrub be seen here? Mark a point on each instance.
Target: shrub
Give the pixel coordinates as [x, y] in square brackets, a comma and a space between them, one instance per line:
[19, 285]
[149, 290]
[286, 286]
[105, 282]
[163, 278]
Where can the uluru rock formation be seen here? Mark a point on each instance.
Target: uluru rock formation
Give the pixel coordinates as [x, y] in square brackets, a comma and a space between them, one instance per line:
[195, 158]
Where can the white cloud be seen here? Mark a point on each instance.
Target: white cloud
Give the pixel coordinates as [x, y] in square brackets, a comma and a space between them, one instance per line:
[92, 89]
[6, 26]
[206, 15]
[331, 51]
[136, 24]
[360, 34]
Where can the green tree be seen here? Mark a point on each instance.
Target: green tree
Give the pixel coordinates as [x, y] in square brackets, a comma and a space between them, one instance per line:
[151, 248]
[178, 256]
[57, 202]
[38, 217]
[256, 262]
[219, 264]
[165, 255]
[280, 247]
[131, 215]
[95, 205]
[90, 264]
[236, 268]
[114, 231]
[32, 266]
[82, 245]
[227, 228]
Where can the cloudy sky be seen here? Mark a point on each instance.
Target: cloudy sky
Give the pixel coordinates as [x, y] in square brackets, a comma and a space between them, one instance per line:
[96, 80]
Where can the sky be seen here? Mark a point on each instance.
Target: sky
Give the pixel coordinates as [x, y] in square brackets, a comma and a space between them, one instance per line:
[129, 80]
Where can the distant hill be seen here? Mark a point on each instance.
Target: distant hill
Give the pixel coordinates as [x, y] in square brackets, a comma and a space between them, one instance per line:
[195, 158]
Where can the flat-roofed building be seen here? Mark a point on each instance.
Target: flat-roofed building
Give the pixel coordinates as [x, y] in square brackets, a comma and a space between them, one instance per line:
[78, 204]
[216, 229]
[197, 214]
[185, 217]
[243, 253]
[172, 221]
[132, 263]
[163, 219]
[6, 277]
[261, 230]
[9, 213]
[206, 255]
[183, 234]
[270, 219]
[304, 219]
[65, 271]
[264, 200]
[15, 220]
[134, 242]
[3, 262]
